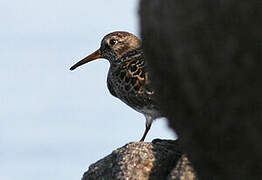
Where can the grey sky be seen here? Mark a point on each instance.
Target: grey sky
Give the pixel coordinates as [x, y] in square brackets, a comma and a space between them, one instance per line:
[53, 122]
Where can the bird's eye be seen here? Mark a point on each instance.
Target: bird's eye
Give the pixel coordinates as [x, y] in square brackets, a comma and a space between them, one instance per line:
[112, 42]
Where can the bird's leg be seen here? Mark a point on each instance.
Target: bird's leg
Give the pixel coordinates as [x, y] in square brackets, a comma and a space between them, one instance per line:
[148, 126]
[145, 133]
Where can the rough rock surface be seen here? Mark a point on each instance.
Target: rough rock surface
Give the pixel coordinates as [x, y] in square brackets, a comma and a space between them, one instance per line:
[160, 159]
[206, 62]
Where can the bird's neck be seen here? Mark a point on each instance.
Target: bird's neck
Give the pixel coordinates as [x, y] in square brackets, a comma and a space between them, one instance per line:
[137, 53]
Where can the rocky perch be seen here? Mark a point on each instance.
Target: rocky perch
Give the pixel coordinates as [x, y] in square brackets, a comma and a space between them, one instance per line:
[160, 159]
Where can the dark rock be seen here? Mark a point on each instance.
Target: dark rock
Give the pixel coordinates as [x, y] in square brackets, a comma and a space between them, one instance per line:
[205, 58]
[160, 159]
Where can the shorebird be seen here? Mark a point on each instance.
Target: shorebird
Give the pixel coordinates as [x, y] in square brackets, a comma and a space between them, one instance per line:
[128, 77]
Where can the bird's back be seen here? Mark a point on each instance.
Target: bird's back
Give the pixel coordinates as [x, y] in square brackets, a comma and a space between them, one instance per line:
[129, 81]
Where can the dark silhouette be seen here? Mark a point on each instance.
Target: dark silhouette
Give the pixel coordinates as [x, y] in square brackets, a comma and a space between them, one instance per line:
[205, 58]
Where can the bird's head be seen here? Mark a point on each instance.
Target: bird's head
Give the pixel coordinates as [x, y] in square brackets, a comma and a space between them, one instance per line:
[113, 46]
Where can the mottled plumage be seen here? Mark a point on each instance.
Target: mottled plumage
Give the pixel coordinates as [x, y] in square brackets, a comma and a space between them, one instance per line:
[128, 77]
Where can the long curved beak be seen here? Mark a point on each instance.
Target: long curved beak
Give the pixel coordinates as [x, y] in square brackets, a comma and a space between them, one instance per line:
[95, 55]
